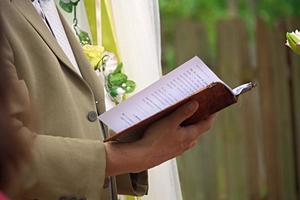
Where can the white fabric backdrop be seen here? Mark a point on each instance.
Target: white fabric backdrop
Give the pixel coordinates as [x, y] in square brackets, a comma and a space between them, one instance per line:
[137, 27]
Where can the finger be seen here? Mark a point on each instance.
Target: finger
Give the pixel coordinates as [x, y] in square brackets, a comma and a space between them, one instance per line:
[192, 144]
[188, 145]
[211, 118]
[199, 128]
[183, 112]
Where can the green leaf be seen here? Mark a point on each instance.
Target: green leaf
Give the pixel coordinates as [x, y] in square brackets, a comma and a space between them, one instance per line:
[113, 91]
[293, 42]
[84, 38]
[129, 86]
[75, 2]
[118, 69]
[117, 79]
[68, 7]
[293, 37]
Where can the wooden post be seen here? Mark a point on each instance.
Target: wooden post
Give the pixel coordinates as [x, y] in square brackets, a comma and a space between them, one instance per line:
[294, 64]
[276, 111]
[233, 57]
[282, 102]
[264, 49]
[197, 167]
[250, 111]
[232, 7]
[191, 40]
[264, 62]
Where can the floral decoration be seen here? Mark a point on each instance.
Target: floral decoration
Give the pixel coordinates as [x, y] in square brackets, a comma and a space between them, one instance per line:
[117, 84]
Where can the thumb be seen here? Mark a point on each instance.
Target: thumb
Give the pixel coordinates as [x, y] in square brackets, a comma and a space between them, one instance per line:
[183, 112]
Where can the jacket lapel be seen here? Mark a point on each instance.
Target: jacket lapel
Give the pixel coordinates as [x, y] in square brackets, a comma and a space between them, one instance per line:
[26, 8]
[90, 79]
[86, 69]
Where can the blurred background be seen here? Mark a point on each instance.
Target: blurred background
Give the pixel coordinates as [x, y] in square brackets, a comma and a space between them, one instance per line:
[253, 151]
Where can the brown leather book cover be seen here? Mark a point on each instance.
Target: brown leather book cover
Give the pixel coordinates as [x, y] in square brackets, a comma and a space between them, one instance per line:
[192, 80]
[212, 99]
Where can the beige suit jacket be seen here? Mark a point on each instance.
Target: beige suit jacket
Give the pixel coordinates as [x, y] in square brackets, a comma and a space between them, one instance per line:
[69, 156]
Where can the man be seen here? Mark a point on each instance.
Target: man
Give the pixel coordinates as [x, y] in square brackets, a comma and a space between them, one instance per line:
[70, 159]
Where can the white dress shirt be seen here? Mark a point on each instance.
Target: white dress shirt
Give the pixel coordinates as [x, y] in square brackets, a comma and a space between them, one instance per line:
[48, 11]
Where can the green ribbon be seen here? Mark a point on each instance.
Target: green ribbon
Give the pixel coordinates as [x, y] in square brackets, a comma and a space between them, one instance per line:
[91, 15]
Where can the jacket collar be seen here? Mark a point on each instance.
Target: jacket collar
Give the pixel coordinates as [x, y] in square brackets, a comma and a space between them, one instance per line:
[26, 8]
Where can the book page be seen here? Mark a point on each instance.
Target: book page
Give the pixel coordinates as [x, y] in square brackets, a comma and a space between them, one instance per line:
[243, 88]
[184, 81]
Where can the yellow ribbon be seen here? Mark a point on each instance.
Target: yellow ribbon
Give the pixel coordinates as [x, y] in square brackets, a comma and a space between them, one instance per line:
[109, 39]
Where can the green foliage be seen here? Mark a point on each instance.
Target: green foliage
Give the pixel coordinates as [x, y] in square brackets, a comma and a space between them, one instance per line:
[205, 11]
[294, 41]
[273, 9]
[68, 5]
[113, 91]
[119, 68]
[84, 37]
[117, 79]
[129, 86]
[209, 12]
[196, 9]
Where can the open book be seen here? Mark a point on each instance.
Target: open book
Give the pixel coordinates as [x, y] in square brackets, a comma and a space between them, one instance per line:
[192, 80]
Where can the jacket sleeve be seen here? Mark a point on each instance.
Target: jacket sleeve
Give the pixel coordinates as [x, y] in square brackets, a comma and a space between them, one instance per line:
[61, 167]
[66, 167]
[135, 184]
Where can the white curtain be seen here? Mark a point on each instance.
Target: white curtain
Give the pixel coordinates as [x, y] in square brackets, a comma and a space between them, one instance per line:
[138, 38]
[137, 27]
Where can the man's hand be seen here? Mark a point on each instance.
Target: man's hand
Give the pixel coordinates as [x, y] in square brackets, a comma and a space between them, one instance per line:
[162, 141]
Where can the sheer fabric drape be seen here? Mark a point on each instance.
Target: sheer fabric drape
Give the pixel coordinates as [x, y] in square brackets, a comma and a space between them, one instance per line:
[137, 26]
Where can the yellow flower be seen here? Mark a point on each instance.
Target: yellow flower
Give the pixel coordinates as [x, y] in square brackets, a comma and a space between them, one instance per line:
[94, 54]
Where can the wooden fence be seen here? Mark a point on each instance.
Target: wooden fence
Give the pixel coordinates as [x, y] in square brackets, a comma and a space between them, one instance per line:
[253, 151]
